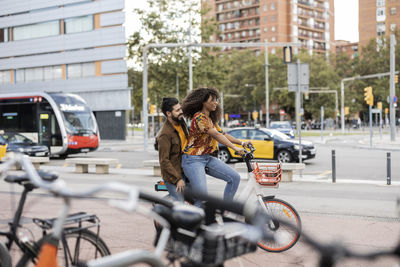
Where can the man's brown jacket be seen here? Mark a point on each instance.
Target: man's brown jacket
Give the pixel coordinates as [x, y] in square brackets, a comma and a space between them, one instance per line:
[170, 152]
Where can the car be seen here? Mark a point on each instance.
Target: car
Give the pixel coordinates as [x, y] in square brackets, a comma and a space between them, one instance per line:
[17, 142]
[283, 126]
[269, 144]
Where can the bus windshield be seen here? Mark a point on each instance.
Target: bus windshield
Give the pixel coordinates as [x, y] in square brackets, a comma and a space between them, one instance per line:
[77, 116]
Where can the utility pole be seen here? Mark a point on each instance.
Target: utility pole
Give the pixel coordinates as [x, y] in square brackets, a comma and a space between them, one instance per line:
[190, 52]
[266, 90]
[298, 103]
[392, 89]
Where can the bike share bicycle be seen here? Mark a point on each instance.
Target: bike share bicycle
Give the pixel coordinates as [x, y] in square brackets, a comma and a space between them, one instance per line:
[263, 175]
[78, 243]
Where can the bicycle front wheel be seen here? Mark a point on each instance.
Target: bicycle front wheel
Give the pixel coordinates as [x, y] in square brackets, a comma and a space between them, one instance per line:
[79, 245]
[280, 210]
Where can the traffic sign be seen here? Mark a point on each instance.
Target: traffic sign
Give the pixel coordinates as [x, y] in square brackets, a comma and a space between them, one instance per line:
[304, 77]
[282, 112]
[395, 99]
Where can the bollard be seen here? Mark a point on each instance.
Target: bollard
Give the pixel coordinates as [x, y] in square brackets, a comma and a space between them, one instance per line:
[388, 168]
[333, 166]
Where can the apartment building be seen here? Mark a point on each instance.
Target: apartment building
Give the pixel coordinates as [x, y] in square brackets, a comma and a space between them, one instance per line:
[70, 46]
[377, 18]
[346, 47]
[310, 22]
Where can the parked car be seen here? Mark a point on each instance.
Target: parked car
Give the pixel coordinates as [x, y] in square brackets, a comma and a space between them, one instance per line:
[269, 144]
[283, 126]
[17, 142]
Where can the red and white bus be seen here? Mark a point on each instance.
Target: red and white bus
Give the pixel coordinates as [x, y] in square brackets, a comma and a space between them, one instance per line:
[63, 122]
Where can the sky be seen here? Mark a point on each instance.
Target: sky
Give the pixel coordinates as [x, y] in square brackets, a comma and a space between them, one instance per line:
[346, 18]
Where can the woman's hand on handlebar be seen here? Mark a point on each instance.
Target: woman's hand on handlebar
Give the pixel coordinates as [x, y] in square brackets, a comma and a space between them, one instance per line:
[239, 151]
[247, 144]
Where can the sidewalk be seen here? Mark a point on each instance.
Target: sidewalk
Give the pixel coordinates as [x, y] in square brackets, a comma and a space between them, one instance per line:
[363, 217]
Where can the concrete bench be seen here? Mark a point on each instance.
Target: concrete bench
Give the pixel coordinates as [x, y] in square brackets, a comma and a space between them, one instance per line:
[287, 169]
[36, 161]
[82, 164]
[155, 164]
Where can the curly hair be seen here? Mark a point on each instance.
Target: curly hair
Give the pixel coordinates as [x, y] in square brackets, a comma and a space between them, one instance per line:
[193, 103]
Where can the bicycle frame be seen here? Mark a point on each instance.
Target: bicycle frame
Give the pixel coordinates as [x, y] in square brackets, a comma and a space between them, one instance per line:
[48, 256]
[252, 188]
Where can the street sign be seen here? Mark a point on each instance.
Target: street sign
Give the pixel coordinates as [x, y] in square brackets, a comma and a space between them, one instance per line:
[282, 112]
[376, 110]
[395, 99]
[304, 77]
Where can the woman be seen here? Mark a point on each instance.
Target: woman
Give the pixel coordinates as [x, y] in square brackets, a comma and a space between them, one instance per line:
[201, 106]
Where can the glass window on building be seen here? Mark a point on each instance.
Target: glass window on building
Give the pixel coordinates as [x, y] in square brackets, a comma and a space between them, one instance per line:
[20, 76]
[5, 77]
[220, 7]
[37, 30]
[52, 73]
[3, 35]
[272, 6]
[79, 24]
[81, 70]
[33, 74]
[273, 18]
[273, 28]
[393, 27]
[265, 29]
[380, 3]
[393, 11]
[380, 28]
[74, 71]
[265, 8]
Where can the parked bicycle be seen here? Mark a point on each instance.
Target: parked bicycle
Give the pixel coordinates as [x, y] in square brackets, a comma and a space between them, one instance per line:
[262, 175]
[77, 241]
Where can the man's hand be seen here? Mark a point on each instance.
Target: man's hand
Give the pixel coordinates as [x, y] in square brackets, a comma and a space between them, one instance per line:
[180, 186]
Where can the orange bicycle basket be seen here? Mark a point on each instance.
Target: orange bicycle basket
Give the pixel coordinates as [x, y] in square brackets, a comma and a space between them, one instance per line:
[268, 174]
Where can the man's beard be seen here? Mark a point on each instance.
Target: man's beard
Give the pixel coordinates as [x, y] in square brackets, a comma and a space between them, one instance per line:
[178, 119]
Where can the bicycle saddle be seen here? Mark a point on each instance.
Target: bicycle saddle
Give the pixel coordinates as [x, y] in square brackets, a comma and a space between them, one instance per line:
[46, 176]
[181, 215]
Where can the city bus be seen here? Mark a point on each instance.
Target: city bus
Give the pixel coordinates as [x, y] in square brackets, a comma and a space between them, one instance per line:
[62, 122]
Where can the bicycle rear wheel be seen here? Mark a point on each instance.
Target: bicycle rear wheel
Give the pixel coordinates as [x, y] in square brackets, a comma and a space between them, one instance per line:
[281, 210]
[80, 245]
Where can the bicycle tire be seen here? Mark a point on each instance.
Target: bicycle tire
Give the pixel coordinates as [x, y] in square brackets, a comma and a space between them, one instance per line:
[5, 258]
[89, 243]
[281, 210]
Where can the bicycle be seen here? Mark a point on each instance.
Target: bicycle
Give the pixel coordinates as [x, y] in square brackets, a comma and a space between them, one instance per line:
[267, 175]
[77, 241]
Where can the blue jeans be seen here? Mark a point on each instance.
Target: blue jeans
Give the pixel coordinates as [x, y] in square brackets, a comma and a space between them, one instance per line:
[194, 168]
[172, 192]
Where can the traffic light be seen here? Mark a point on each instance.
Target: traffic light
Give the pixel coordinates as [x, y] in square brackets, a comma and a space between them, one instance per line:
[396, 78]
[368, 96]
[152, 109]
[287, 54]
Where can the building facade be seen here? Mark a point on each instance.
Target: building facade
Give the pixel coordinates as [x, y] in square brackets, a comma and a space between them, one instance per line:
[346, 47]
[69, 46]
[377, 18]
[310, 22]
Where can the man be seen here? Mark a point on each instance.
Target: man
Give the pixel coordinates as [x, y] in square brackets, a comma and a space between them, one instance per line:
[171, 140]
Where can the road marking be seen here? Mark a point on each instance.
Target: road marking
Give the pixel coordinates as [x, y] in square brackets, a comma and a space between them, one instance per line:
[119, 166]
[66, 165]
[325, 173]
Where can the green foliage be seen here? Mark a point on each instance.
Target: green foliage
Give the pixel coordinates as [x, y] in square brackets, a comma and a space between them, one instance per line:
[242, 72]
